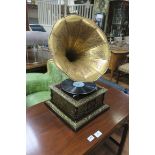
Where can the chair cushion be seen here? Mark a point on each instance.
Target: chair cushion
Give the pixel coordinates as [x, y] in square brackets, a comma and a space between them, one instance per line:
[37, 97]
[36, 82]
[55, 73]
[124, 68]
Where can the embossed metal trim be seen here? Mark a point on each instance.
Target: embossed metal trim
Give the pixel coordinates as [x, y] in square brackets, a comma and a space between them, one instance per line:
[76, 125]
[81, 101]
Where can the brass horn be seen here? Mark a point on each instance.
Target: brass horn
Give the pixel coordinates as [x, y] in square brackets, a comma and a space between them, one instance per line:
[80, 48]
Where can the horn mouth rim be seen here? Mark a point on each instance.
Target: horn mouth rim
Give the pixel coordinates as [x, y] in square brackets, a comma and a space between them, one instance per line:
[94, 76]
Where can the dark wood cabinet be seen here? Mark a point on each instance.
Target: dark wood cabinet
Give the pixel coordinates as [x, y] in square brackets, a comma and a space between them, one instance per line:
[118, 19]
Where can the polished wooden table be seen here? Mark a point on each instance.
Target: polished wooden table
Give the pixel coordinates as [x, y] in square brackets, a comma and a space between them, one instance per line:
[48, 135]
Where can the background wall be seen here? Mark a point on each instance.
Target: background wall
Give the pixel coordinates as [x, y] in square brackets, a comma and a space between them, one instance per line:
[102, 6]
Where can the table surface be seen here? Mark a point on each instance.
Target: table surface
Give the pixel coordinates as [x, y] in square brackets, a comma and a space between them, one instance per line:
[48, 135]
[118, 51]
[119, 48]
[35, 65]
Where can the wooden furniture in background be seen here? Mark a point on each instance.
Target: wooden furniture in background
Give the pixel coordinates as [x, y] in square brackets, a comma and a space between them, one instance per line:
[122, 70]
[36, 67]
[37, 62]
[47, 134]
[117, 57]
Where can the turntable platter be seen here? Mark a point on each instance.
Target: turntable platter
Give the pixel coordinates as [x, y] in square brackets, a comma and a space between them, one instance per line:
[77, 88]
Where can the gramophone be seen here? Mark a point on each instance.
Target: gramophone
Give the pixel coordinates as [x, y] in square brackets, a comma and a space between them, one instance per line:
[80, 49]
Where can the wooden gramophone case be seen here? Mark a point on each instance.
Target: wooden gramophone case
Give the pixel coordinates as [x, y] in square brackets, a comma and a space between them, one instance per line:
[76, 112]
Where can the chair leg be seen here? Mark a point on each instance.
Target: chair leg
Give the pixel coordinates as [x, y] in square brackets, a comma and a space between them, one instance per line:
[123, 138]
[111, 74]
[118, 76]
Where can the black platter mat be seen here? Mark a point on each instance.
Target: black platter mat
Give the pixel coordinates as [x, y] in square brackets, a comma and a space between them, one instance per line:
[67, 86]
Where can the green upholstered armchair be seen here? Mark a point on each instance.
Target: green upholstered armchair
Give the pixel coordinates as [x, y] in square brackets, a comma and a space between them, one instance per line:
[37, 84]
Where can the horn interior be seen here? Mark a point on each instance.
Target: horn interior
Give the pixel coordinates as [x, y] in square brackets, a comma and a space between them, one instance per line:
[80, 48]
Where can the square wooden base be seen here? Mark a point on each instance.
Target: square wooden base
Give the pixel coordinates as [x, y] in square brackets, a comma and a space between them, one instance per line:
[75, 125]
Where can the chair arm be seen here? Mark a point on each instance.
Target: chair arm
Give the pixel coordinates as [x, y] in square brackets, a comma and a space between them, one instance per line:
[56, 78]
[54, 74]
[36, 82]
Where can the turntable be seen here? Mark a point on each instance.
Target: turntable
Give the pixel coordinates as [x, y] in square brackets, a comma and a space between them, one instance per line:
[80, 50]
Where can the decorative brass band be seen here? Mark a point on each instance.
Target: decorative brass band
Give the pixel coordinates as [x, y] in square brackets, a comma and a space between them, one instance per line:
[75, 125]
[81, 101]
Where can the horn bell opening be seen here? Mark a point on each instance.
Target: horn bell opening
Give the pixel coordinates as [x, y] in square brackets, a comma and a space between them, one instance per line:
[79, 48]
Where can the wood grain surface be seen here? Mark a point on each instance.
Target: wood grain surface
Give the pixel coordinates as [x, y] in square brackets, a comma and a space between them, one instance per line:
[48, 135]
